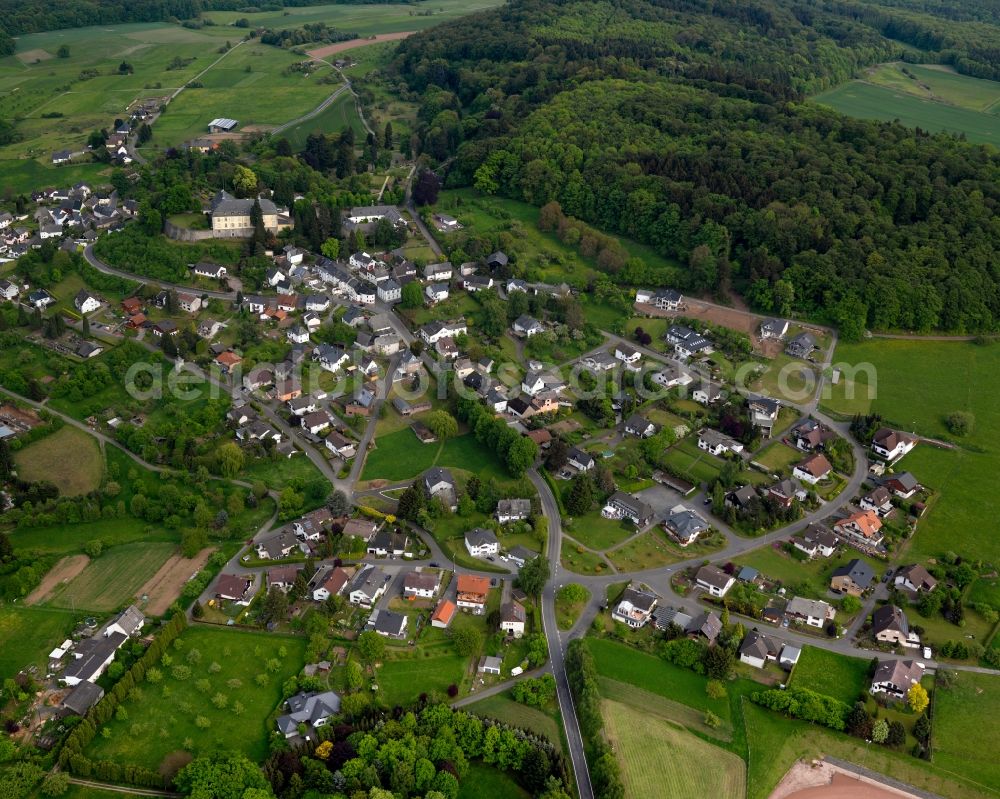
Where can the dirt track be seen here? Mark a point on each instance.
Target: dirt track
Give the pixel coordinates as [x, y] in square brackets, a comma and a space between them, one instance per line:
[826, 781]
[165, 586]
[340, 47]
[64, 571]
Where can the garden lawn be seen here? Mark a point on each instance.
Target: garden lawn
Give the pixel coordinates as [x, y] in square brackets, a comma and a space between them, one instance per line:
[482, 781]
[162, 717]
[695, 464]
[779, 457]
[402, 680]
[628, 665]
[70, 458]
[653, 549]
[805, 577]
[966, 735]
[594, 531]
[400, 456]
[28, 635]
[279, 473]
[787, 378]
[114, 578]
[500, 706]
[915, 385]
[580, 560]
[659, 758]
[844, 678]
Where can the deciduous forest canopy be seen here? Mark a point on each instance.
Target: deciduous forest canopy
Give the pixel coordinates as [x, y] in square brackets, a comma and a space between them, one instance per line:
[686, 125]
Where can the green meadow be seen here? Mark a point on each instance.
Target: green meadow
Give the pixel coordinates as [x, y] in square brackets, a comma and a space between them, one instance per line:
[914, 385]
[859, 98]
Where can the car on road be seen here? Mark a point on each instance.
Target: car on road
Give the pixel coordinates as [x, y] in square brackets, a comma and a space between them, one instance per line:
[490, 558]
[435, 565]
[927, 653]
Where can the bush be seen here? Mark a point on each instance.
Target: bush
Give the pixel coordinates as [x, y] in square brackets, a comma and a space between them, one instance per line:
[960, 423]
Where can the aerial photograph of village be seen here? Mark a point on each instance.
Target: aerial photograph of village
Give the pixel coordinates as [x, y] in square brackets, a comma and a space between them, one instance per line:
[500, 399]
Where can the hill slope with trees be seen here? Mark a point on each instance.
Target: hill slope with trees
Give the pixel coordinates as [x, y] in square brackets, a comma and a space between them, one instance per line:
[684, 125]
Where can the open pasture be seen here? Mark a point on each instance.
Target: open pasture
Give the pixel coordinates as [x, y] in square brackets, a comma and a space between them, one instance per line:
[914, 385]
[28, 635]
[179, 712]
[69, 458]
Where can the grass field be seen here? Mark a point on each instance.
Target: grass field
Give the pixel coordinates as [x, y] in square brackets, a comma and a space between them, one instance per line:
[402, 681]
[66, 539]
[340, 114]
[28, 635]
[69, 458]
[481, 780]
[964, 712]
[779, 457]
[400, 456]
[825, 672]
[161, 717]
[775, 743]
[658, 758]
[114, 578]
[653, 549]
[915, 385]
[864, 100]
[698, 465]
[657, 705]
[505, 709]
[938, 82]
[652, 674]
[596, 532]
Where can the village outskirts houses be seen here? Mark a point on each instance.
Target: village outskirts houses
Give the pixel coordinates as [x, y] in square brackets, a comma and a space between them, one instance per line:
[636, 606]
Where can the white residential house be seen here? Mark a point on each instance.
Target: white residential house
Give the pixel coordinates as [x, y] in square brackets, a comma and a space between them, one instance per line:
[813, 469]
[85, 302]
[298, 335]
[718, 444]
[436, 292]
[713, 580]
[636, 607]
[627, 355]
[481, 543]
[389, 291]
[892, 444]
[527, 326]
[512, 618]
[814, 612]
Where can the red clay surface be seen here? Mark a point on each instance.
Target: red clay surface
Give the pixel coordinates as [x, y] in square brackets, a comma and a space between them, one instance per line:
[340, 47]
[845, 787]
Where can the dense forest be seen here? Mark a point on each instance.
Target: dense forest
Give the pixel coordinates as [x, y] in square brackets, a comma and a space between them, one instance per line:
[683, 124]
[33, 16]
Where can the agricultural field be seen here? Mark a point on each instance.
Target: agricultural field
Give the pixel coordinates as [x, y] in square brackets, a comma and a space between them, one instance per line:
[844, 678]
[940, 83]
[861, 99]
[28, 635]
[970, 705]
[65, 539]
[69, 458]
[659, 758]
[167, 719]
[113, 579]
[250, 84]
[913, 387]
[364, 20]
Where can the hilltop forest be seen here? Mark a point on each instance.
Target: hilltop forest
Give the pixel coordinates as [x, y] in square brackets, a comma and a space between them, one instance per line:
[685, 125]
